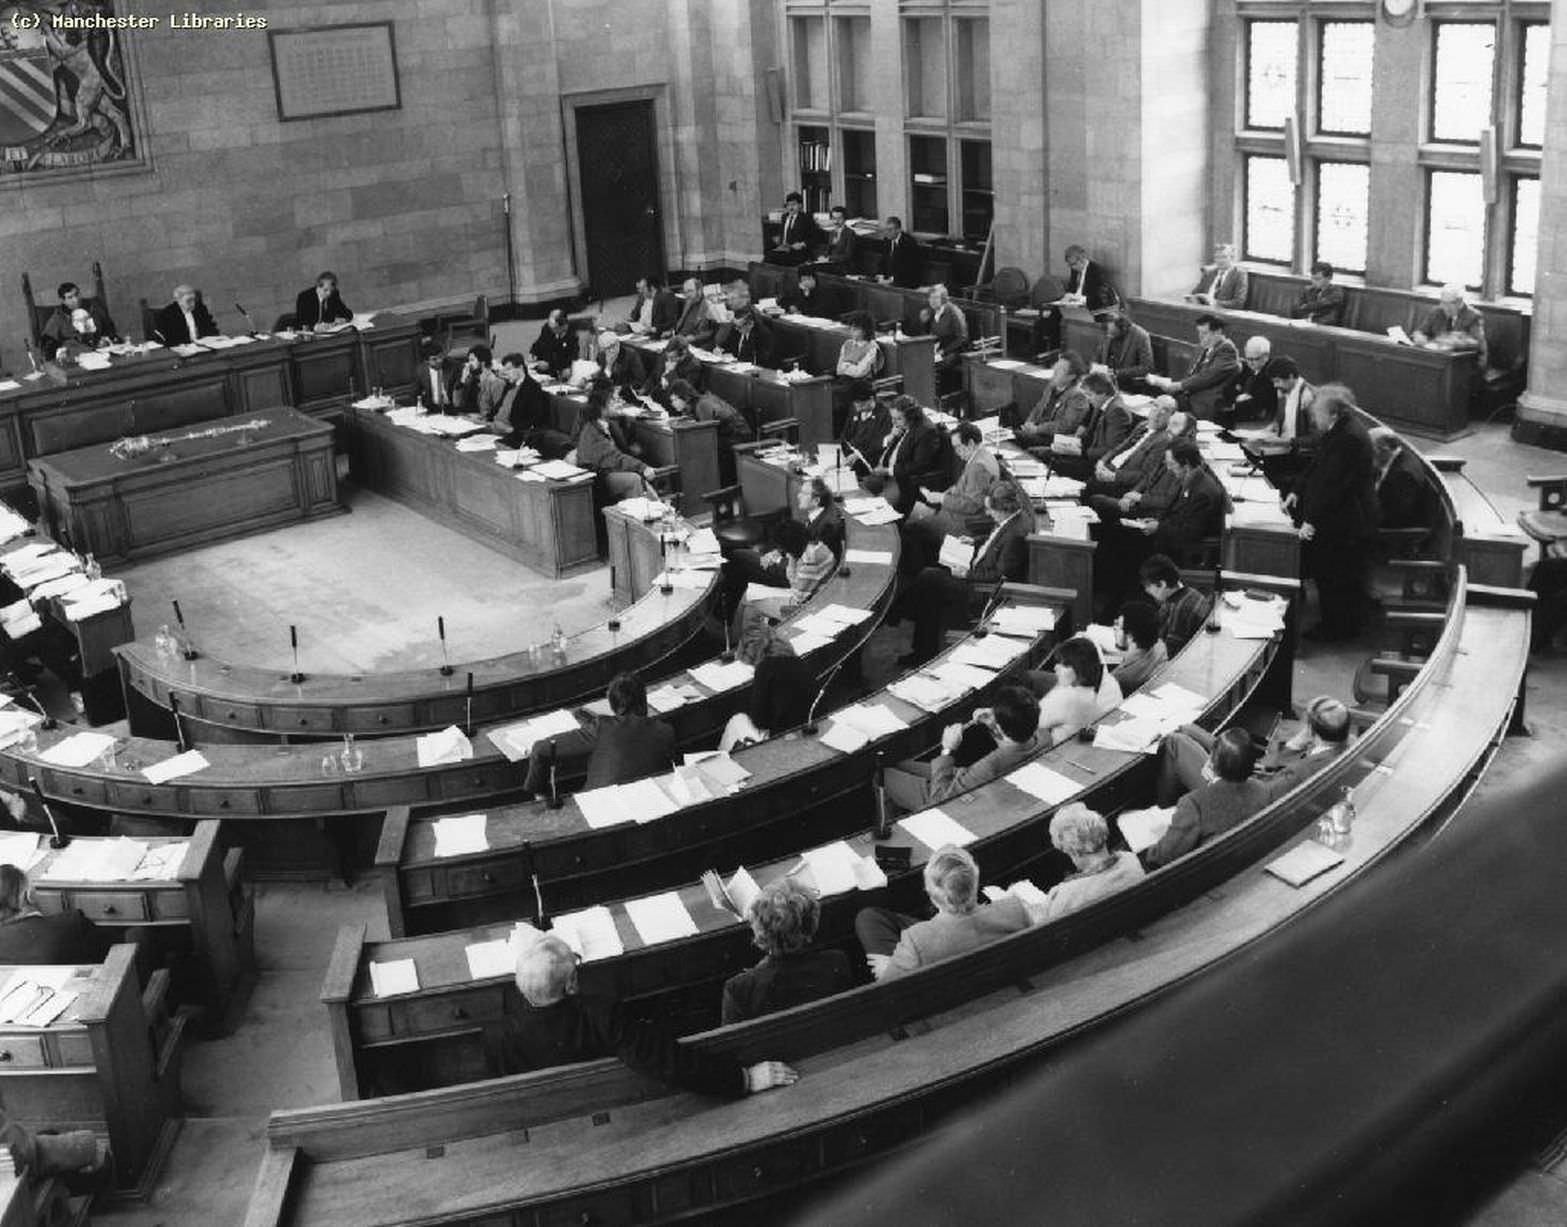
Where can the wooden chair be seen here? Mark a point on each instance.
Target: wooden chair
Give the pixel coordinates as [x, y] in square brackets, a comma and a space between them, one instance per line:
[784, 430]
[1009, 287]
[734, 529]
[38, 316]
[466, 330]
[1409, 637]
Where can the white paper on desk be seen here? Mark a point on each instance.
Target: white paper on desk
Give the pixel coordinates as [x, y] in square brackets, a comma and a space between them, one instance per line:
[390, 979]
[882, 515]
[719, 677]
[767, 597]
[47, 1010]
[702, 541]
[69, 582]
[460, 835]
[844, 737]
[661, 918]
[1103, 638]
[477, 443]
[722, 770]
[667, 699]
[97, 860]
[1143, 828]
[935, 829]
[923, 692]
[1303, 862]
[833, 868]
[1130, 736]
[591, 933]
[447, 746]
[21, 849]
[77, 750]
[1040, 781]
[516, 741]
[959, 677]
[646, 800]
[871, 718]
[559, 470]
[187, 763]
[1219, 452]
[15, 610]
[161, 864]
[806, 642]
[602, 807]
[992, 652]
[23, 626]
[879, 558]
[1178, 696]
[9, 385]
[843, 615]
[1024, 620]
[488, 960]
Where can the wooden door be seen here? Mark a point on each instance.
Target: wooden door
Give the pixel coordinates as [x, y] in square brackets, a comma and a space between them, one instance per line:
[619, 183]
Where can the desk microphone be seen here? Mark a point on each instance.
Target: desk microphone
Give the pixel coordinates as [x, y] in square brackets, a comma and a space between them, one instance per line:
[293, 638]
[980, 629]
[187, 649]
[555, 801]
[179, 726]
[810, 726]
[883, 831]
[57, 840]
[253, 329]
[468, 721]
[541, 918]
[446, 665]
[49, 721]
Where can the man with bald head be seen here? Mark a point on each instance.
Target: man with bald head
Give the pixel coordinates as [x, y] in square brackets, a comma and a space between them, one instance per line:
[1250, 395]
[186, 319]
[1291, 756]
[1453, 324]
[558, 1024]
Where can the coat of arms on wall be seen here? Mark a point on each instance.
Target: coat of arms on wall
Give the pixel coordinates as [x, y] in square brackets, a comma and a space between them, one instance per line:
[64, 97]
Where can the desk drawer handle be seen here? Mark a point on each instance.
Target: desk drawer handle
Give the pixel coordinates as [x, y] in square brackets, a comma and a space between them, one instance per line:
[110, 910]
[487, 877]
[233, 716]
[76, 790]
[5, 1054]
[382, 720]
[460, 1014]
[223, 804]
[303, 721]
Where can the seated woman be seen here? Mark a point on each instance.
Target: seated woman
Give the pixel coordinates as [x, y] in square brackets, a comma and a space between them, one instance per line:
[1082, 835]
[626, 745]
[896, 944]
[28, 936]
[808, 564]
[781, 689]
[1013, 726]
[783, 924]
[1083, 691]
[1232, 797]
[1145, 652]
[859, 357]
[622, 475]
[559, 1025]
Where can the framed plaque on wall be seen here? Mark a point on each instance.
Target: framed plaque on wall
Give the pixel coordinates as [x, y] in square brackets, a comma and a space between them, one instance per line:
[334, 70]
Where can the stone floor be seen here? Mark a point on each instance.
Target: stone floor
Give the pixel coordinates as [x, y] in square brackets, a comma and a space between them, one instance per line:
[240, 597]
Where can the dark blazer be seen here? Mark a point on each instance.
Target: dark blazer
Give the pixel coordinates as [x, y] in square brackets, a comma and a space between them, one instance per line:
[171, 324]
[1129, 356]
[309, 310]
[58, 330]
[756, 348]
[598, 451]
[556, 352]
[920, 451]
[904, 262]
[821, 302]
[67, 938]
[865, 434]
[1091, 282]
[1264, 396]
[1207, 812]
[585, 1028]
[629, 748]
[781, 981]
[1181, 616]
[840, 246]
[627, 372]
[1210, 371]
[801, 228]
[695, 322]
[1112, 427]
[1338, 494]
[1402, 498]
[1198, 512]
[732, 426]
[828, 528]
[1006, 554]
[666, 311]
[422, 386]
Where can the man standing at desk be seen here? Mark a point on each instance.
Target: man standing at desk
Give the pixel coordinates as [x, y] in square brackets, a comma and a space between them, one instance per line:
[321, 306]
[184, 320]
[1086, 284]
[77, 323]
[1321, 302]
[1453, 324]
[904, 263]
[798, 233]
[556, 347]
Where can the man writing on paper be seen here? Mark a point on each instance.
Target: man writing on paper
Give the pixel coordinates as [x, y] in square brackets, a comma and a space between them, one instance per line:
[625, 745]
[321, 307]
[186, 319]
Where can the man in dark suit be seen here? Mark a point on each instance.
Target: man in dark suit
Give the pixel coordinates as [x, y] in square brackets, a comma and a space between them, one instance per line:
[1086, 283]
[696, 321]
[798, 233]
[1198, 509]
[321, 306]
[556, 347]
[1402, 499]
[746, 337]
[434, 381]
[912, 449]
[626, 745]
[1336, 508]
[939, 597]
[1249, 395]
[560, 1025]
[809, 297]
[840, 240]
[656, 310]
[1217, 360]
[77, 321]
[186, 319]
[1109, 426]
[523, 417]
[1127, 351]
[904, 262]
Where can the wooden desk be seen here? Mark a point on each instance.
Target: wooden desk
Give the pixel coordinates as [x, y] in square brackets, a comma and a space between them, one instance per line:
[95, 1068]
[636, 554]
[692, 447]
[910, 355]
[28, 1200]
[206, 912]
[190, 492]
[545, 525]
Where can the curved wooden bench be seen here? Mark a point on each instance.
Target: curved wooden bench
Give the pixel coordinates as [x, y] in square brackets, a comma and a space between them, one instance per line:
[891, 1055]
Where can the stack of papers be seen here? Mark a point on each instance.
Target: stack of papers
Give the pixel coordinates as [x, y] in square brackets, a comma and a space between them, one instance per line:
[559, 470]
[956, 554]
[68, 582]
[447, 746]
[1143, 828]
[98, 860]
[1040, 781]
[184, 764]
[78, 750]
[12, 525]
[925, 692]
[871, 719]
[641, 801]
[1140, 736]
[1023, 621]
[844, 737]
[719, 677]
[935, 829]
[30, 1000]
[994, 652]
[492, 959]
[836, 869]
[881, 558]
[461, 835]
[20, 849]
[667, 698]
[591, 933]
[1103, 638]
[959, 677]
[661, 918]
[476, 443]
[391, 979]
[1024, 891]
[15, 722]
[1248, 619]
[871, 510]
[1303, 862]
[516, 741]
[716, 775]
[734, 896]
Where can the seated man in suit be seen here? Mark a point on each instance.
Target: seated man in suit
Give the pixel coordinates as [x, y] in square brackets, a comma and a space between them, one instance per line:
[321, 306]
[656, 310]
[1198, 509]
[1453, 324]
[523, 416]
[625, 745]
[1013, 724]
[478, 389]
[1158, 486]
[696, 322]
[865, 427]
[433, 382]
[1127, 351]
[561, 1025]
[1108, 426]
[910, 453]
[1231, 796]
[1401, 489]
[746, 338]
[1062, 409]
[1291, 756]
[556, 347]
[1321, 302]
[618, 363]
[904, 262]
[1144, 654]
[1141, 454]
[943, 319]
[184, 320]
[840, 240]
[1216, 361]
[1249, 395]
[809, 297]
[1086, 284]
[783, 919]
[1224, 284]
[622, 475]
[896, 944]
[798, 233]
[1182, 609]
[77, 323]
[676, 362]
[946, 513]
[939, 597]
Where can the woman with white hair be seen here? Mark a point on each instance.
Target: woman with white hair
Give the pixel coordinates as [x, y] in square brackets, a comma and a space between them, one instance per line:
[895, 944]
[1083, 836]
[559, 1025]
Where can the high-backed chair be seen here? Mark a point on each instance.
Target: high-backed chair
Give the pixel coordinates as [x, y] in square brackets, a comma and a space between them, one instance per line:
[466, 330]
[38, 316]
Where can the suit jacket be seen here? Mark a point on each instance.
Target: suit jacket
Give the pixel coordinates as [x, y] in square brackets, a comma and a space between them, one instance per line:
[1181, 617]
[865, 432]
[783, 980]
[1144, 458]
[1210, 372]
[665, 314]
[947, 779]
[627, 371]
[949, 328]
[756, 348]
[1338, 494]
[821, 302]
[840, 246]
[629, 748]
[1469, 323]
[585, 1028]
[58, 329]
[425, 388]
[1324, 306]
[556, 351]
[481, 394]
[597, 451]
[1303, 423]
[904, 262]
[1296, 766]
[66, 938]
[828, 528]
[1264, 397]
[1198, 512]
[1228, 288]
[947, 934]
[1112, 427]
[1207, 812]
[171, 324]
[966, 496]
[1091, 282]
[801, 228]
[695, 322]
[309, 310]
[914, 453]
[1004, 555]
[1401, 494]
[1059, 411]
[732, 426]
[1129, 356]
[524, 406]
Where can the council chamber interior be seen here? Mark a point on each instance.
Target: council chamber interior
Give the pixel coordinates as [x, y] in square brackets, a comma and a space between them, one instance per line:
[843, 611]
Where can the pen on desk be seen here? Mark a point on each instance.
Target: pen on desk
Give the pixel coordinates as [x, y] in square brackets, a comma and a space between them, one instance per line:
[1083, 767]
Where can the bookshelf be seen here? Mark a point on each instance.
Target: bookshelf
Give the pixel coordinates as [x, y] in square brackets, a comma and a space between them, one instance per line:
[928, 184]
[815, 162]
[859, 172]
